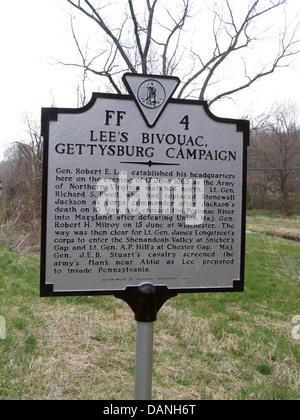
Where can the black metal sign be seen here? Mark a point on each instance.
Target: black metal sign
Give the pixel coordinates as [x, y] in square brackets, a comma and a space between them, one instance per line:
[142, 189]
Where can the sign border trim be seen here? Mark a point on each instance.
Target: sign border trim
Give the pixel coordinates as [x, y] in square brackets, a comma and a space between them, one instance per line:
[51, 114]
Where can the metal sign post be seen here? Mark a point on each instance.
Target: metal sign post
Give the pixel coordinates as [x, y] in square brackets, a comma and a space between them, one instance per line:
[145, 317]
[143, 360]
[144, 197]
[145, 301]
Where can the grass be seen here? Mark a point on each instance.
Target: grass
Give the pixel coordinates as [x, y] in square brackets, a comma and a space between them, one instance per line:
[273, 224]
[206, 346]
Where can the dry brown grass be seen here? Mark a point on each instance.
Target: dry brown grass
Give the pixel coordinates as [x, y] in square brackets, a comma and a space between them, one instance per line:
[285, 228]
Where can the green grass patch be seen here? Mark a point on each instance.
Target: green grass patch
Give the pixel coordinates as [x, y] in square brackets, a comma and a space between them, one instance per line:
[206, 346]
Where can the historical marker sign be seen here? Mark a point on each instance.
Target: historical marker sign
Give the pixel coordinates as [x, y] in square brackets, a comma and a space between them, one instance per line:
[142, 188]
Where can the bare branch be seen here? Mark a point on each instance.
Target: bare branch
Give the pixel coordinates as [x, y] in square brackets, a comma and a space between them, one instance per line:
[239, 39]
[152, 38]
[287, 50]
[149, 33]
[97, 18]
[178, 26]
[136, 32]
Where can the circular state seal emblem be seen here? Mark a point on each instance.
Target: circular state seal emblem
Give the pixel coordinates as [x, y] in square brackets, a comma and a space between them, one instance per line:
[151, 94]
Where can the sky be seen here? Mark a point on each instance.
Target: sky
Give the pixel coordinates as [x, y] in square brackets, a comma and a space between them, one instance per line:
[33, 32]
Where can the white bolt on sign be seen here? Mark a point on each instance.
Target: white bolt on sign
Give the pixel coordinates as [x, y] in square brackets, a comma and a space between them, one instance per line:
[2, 328]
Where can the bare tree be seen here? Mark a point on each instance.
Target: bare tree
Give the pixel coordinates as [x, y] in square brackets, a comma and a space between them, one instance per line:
[276, 149]
[213, 47]
[22, 179]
